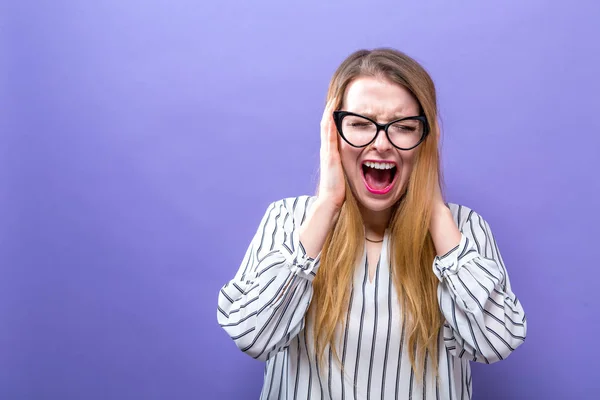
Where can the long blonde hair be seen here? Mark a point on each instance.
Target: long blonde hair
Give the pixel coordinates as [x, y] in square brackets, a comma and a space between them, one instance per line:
[411, 246]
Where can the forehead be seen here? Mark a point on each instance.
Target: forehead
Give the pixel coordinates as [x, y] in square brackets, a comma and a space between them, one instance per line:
[379, 98]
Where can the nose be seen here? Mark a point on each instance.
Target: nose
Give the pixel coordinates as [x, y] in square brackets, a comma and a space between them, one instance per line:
[381, 143]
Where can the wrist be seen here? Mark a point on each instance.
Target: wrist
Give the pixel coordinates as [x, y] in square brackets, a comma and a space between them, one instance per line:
[326, 208]
[319, 222]
[440, 211]
[443, 229]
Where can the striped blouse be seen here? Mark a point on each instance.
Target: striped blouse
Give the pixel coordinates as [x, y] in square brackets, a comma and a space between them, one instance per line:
[263, 310]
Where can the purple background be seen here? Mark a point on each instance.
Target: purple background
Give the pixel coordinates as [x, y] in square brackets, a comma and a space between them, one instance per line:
[141, 142]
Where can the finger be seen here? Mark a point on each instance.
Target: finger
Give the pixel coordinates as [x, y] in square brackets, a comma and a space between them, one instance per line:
[326, 124]
[324, 120]
[327, 110]
[327, 114]
[333, 133]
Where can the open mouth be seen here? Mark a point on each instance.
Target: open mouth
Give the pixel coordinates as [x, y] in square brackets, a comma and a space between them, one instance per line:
[379, 177]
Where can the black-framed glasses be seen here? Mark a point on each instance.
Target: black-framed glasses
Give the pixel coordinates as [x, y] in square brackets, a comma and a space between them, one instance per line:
[360, 131]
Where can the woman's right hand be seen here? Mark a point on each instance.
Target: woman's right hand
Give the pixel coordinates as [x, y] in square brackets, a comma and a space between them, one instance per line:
[332, 188]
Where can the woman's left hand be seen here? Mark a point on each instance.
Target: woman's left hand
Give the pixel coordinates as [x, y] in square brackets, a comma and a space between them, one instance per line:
[443, 229]
[438, 200]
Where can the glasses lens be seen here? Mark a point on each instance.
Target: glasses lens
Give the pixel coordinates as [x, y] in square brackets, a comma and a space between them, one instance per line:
[406, 134]
[357, 130]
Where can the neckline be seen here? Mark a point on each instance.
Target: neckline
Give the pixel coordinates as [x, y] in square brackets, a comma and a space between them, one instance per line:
[381, 260]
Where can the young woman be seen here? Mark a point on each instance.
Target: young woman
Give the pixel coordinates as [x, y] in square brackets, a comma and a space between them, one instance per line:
[375, 288]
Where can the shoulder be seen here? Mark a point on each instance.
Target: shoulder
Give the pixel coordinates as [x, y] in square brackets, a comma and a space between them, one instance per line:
[295, 207]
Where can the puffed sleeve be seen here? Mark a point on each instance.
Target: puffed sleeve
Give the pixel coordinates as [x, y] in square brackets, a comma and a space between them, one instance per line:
[485, 320]
[263, 307]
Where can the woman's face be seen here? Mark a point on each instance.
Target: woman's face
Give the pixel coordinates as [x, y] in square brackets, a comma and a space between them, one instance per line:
[378, 174]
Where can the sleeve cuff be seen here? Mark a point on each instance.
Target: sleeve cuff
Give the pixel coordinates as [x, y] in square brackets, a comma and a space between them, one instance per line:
[449, 263]
[301, 264]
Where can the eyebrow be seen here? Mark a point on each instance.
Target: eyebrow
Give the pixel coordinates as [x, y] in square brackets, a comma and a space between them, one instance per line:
[371, 115]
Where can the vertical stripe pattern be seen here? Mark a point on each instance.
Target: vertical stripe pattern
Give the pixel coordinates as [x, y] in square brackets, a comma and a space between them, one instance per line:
[263, 307]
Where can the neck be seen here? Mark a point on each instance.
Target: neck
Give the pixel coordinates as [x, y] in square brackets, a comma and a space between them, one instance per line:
[376, 222]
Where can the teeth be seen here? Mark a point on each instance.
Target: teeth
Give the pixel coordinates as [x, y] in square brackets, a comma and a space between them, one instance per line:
[378, 165]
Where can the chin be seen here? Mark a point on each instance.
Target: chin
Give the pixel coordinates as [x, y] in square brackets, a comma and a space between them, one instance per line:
[377, 205]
